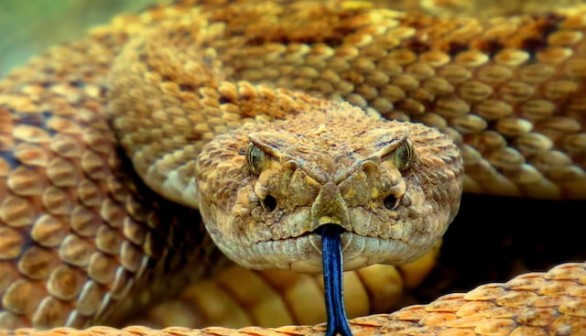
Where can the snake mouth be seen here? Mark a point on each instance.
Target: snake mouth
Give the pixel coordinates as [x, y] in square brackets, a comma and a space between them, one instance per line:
[303, 253]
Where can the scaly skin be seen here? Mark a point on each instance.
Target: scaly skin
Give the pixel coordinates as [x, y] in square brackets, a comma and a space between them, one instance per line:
[551, 303]
[79, 231]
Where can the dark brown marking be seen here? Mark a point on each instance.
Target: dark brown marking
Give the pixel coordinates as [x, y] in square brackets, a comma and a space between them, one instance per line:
[454, 48]
[225, 100]
[542, 27]
[186, 87]
[193, 137]
[549, 23]
[533, 44]
[490, 47]
[417, 46]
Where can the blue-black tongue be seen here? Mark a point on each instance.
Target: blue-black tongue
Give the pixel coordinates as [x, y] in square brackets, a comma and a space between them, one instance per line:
[333, 290]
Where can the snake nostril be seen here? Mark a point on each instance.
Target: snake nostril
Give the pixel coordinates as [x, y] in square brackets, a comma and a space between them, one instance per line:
[269, 203]
[391, 202]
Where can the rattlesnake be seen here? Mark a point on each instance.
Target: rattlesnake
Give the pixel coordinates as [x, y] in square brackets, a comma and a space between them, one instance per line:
[264, 113]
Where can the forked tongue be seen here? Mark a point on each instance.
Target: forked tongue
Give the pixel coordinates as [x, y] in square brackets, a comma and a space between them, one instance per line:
[337, 322]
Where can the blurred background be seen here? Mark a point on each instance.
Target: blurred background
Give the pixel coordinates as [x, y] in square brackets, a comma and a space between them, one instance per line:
[29, 27]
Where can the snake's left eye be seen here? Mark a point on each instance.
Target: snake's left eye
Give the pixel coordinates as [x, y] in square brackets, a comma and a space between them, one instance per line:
[255, 158]
[403, 156]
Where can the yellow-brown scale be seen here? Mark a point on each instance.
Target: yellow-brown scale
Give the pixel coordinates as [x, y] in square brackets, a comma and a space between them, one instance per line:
[537, 304]
[277, 298]
[507, 90]
[78, 230]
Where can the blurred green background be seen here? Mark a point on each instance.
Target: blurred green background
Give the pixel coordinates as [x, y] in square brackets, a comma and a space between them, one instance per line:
[27, 27]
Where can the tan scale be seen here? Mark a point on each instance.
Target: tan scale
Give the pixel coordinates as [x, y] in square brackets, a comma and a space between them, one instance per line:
[81, 232]
[530, 304]
[276, 298]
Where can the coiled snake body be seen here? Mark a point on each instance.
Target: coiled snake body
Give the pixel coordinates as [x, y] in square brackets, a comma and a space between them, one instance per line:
[270, 118]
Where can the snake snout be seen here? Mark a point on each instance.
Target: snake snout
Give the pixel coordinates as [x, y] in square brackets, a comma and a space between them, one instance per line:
[330, 208]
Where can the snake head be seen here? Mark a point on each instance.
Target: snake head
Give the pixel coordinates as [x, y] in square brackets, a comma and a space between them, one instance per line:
[265, 188]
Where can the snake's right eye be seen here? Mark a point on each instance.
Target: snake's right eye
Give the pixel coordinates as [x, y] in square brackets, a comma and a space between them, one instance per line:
[255, 158]
[403, 156]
